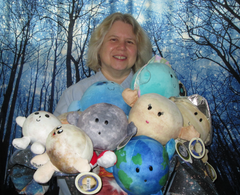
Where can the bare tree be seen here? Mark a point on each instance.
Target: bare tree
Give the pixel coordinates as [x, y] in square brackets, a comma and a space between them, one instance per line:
[69, 15]
[21, 25]
[210, 29]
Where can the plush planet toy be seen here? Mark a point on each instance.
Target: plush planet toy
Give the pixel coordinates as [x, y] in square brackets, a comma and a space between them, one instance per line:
[157, 76]
[35, 130]
[68, 149]
[157, 117]
[196, 112]
[106, 125]
[101, 92]
[143, 165]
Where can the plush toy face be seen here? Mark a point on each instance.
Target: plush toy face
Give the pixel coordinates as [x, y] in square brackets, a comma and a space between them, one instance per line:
[142, 167]
[193, 116]
[66, 146]
[157, 117]
[38, 125]
[102, 92]
[105, 124]
[157, 78]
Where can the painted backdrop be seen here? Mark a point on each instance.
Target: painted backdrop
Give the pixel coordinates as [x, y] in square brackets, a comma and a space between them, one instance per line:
[43, 47]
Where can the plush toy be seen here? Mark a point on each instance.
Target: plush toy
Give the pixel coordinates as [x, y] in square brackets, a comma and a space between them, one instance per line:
[68, 149]
[35, 129]
[107, 126]
[143, 165]
[156, 116]
[63, 117]
[196, 112]
[101, 92]
[157, 76]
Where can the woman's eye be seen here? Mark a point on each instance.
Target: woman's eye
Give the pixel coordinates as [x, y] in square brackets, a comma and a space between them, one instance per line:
[130, 42]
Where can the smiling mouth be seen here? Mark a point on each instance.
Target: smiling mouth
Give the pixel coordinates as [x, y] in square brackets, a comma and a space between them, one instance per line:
[111, 88]
[120, 57]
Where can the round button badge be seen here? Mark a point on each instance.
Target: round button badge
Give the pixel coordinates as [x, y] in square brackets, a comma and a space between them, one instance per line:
[182, 151]
[197, 148]
[88, 183]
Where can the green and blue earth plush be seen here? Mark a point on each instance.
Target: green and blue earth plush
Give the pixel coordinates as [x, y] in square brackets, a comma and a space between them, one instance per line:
[143, 165]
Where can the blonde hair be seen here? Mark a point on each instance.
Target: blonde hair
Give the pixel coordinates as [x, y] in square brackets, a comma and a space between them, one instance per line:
[144, 47]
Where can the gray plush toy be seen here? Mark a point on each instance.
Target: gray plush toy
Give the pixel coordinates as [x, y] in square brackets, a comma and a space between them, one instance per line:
[107, 126]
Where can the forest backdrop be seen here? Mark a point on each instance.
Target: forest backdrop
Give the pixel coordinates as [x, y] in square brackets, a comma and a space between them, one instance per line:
[43, 47]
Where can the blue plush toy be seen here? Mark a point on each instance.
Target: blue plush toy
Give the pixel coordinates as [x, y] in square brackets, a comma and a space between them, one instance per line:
[157, 76]
[101, 92]
[143, 165]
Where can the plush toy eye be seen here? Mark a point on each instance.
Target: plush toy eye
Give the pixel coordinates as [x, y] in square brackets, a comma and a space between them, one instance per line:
[106, 122]
[171, 75]
[195, 113]
[200, 119]
[149, 107]
[137, 169]
[150, 168]
[36, 113]
[160, 113]
[59, 127]
[99, 133]
[59, 131]
[96, 120]
[47, 115]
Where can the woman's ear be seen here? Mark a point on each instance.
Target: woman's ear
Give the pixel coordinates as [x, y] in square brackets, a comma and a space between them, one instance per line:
[130, 96]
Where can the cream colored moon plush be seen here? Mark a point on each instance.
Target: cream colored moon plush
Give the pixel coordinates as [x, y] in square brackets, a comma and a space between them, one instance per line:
[68, 149]
[196, 112]
[157, 117]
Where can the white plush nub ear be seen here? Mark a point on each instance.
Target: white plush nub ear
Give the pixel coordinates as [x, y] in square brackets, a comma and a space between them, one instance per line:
[44, 173]
[40, 160]
[130, 96]
[20, 120]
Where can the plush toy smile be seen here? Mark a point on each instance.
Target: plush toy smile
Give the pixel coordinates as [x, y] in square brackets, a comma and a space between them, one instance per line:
[35, 129]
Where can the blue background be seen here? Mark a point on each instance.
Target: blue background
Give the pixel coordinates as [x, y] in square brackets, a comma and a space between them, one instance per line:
[43, 47]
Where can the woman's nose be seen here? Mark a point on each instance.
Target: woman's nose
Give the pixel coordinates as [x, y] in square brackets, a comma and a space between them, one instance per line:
[122, 45]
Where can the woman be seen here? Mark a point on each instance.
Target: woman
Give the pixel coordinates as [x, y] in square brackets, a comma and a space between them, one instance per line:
[118, 47]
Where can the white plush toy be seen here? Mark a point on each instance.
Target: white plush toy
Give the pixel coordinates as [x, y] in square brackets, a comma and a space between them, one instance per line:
[35, 129]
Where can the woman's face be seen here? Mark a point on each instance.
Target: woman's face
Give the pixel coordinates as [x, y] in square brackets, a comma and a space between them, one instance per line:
[119, 49]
